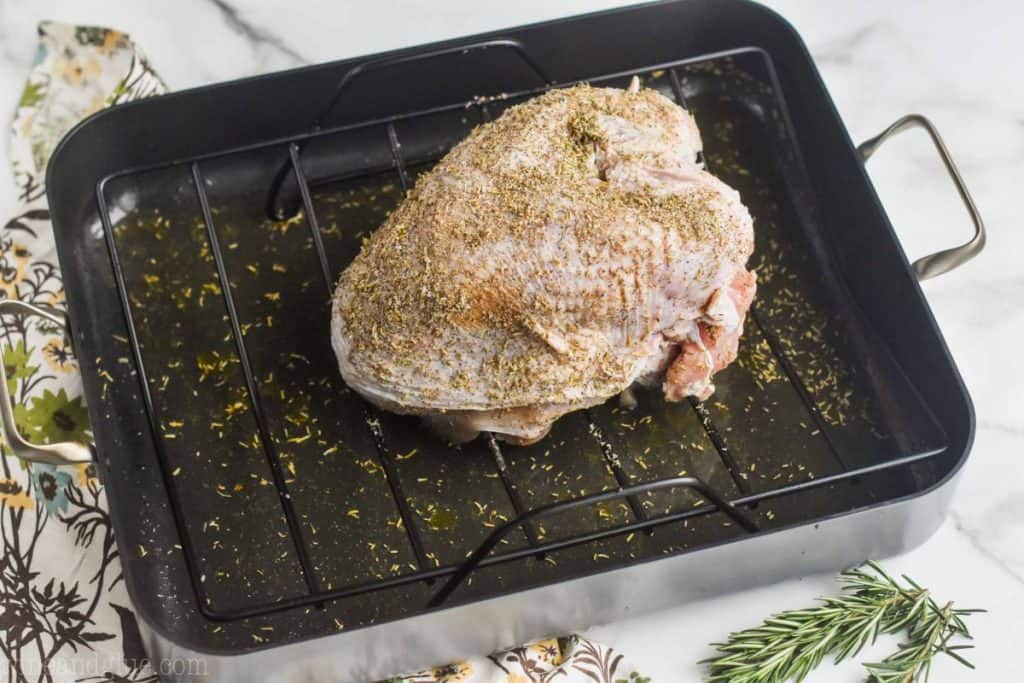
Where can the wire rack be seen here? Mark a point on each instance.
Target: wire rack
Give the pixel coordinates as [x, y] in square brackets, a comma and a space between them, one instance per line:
[291, 191]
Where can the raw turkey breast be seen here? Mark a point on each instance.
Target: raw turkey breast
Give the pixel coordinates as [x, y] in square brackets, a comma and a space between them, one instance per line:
[554, 257]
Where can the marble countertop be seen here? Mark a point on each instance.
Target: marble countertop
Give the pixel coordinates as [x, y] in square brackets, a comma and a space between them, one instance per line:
[956, 63]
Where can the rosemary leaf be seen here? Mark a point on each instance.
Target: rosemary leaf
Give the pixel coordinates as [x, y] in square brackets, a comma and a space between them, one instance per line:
[788, 646]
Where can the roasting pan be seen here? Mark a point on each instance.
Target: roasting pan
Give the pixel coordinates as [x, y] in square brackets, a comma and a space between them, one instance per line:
[272, 526]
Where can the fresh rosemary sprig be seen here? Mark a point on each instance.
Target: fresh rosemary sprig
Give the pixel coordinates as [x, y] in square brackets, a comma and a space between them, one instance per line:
[789, 645]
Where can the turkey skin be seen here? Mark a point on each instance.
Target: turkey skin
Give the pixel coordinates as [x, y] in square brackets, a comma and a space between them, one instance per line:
[557, 255]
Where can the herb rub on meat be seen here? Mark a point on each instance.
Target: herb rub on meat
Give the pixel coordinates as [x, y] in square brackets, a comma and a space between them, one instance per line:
[554, 257]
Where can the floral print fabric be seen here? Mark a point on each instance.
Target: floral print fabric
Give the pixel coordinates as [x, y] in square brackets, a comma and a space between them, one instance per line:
[562, 660]
[64, 613]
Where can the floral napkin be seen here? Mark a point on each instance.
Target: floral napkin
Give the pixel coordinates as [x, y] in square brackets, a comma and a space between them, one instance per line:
[64, 613]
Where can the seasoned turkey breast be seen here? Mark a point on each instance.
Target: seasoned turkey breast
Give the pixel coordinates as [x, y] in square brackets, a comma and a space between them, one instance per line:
[554, 257]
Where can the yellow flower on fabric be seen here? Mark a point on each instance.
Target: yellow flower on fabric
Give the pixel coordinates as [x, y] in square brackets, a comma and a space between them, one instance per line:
[453, 673]
[113, 41]
[57, 299]
[58, 356]
[517, 678]
[86, 474]
[71, 70]
[14, 496]
[13, 264]
[547, 651]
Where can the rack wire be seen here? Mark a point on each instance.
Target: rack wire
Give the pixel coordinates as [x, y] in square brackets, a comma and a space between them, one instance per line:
[290, 177]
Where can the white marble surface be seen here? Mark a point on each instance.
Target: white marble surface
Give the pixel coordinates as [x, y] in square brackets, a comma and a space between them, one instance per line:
[956, 62]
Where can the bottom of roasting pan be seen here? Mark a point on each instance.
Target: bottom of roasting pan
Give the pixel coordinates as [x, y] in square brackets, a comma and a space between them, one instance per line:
[258, 502]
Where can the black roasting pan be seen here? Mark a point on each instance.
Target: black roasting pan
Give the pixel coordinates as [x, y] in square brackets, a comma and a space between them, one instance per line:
[270, 524]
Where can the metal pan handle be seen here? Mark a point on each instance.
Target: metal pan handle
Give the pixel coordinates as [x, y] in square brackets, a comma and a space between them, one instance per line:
[64, 453]
[947, 259]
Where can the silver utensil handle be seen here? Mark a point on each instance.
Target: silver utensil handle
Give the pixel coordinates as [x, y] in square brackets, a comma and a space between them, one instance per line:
[64, 453]
[947, 259]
